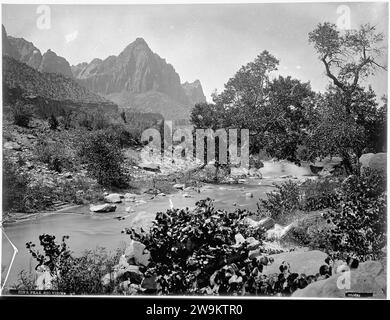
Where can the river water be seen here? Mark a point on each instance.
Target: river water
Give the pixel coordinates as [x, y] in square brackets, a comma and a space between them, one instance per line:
[89, 230]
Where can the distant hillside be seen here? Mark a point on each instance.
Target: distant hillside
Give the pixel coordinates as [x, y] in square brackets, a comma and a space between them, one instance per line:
[25, 51]
[34, 84]
[137, 79]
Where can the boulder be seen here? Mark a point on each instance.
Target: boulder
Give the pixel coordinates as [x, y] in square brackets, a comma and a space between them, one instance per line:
[377, 161]
[179, 186]
[150, 167]
[129, 197]
[265, 223]
[131, 273]
[107, 207]
[249, 195]
[355, 283]
[136, 253]
[308, 262]
[12, 146]
[253, 244]
[113, 198]
[129, 209]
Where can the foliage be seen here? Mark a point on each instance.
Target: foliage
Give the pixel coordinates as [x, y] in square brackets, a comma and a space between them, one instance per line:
[188, 247]
[22, 114]
[335, 131]
[75, 275]
[55, 155]
[273, 111]
[15, 185]
[53, 122]
[319, 194]
[100, 151]
[350, 121]
[348, 56]
[360, 224]
[26, 281]
[282, 202]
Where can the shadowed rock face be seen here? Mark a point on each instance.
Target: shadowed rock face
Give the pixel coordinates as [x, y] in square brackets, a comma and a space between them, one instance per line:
[140, 79]
[8, 48]
[136, 69]
[55, 64]
[25, 51]
[194, 92]
[28, 53]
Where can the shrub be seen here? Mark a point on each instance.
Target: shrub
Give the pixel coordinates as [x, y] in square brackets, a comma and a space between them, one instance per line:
[319, 194]
[187, 248]
[54, 155]
[101, 152]
[75, 275]
[53, 122]
[22, 114]
[15, 185]
[360, 222]
[282, 202]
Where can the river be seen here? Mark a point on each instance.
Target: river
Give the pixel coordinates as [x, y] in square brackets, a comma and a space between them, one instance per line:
[89, 230]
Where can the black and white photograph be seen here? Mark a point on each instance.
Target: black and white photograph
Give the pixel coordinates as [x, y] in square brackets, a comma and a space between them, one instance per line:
[194, 150]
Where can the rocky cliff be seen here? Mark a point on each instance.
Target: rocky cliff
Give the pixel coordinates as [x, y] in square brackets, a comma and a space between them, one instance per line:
[28, 83]
[139, 79]
[25, 51]
[194, 92]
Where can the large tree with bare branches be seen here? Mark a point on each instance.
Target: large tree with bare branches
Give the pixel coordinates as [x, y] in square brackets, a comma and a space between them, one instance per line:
[348, 118]
[349, 56]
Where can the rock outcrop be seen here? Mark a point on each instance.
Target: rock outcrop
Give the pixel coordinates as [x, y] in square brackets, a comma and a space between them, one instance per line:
[366, 281]
[52, 63]
[28, 53]
[138, 79]
[25, 52]
[194, 92]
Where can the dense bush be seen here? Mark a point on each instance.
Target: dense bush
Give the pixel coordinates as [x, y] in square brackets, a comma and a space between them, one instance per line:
[54, 155]
[15, 185]
[360, 222]
[319, 194]
[74, 275]
[22, 114]
[53, 122]
[100, 151]
[309, 196]
[189, 247]
[282, 202]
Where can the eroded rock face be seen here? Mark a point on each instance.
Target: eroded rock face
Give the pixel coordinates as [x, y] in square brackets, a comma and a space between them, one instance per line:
[194, 92]
[140, 78]
[28, 53]
[52, 63]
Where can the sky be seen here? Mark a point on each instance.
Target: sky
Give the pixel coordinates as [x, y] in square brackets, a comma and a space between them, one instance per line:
[209, 42]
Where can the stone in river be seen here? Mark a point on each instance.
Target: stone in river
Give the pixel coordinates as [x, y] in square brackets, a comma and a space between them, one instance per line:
[107, 207]
[113, 198]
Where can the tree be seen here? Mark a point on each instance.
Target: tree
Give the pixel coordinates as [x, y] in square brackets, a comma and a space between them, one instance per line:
[272, 110]
[100, 151]
[348, 57]
[53, 122]
[350, 121]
